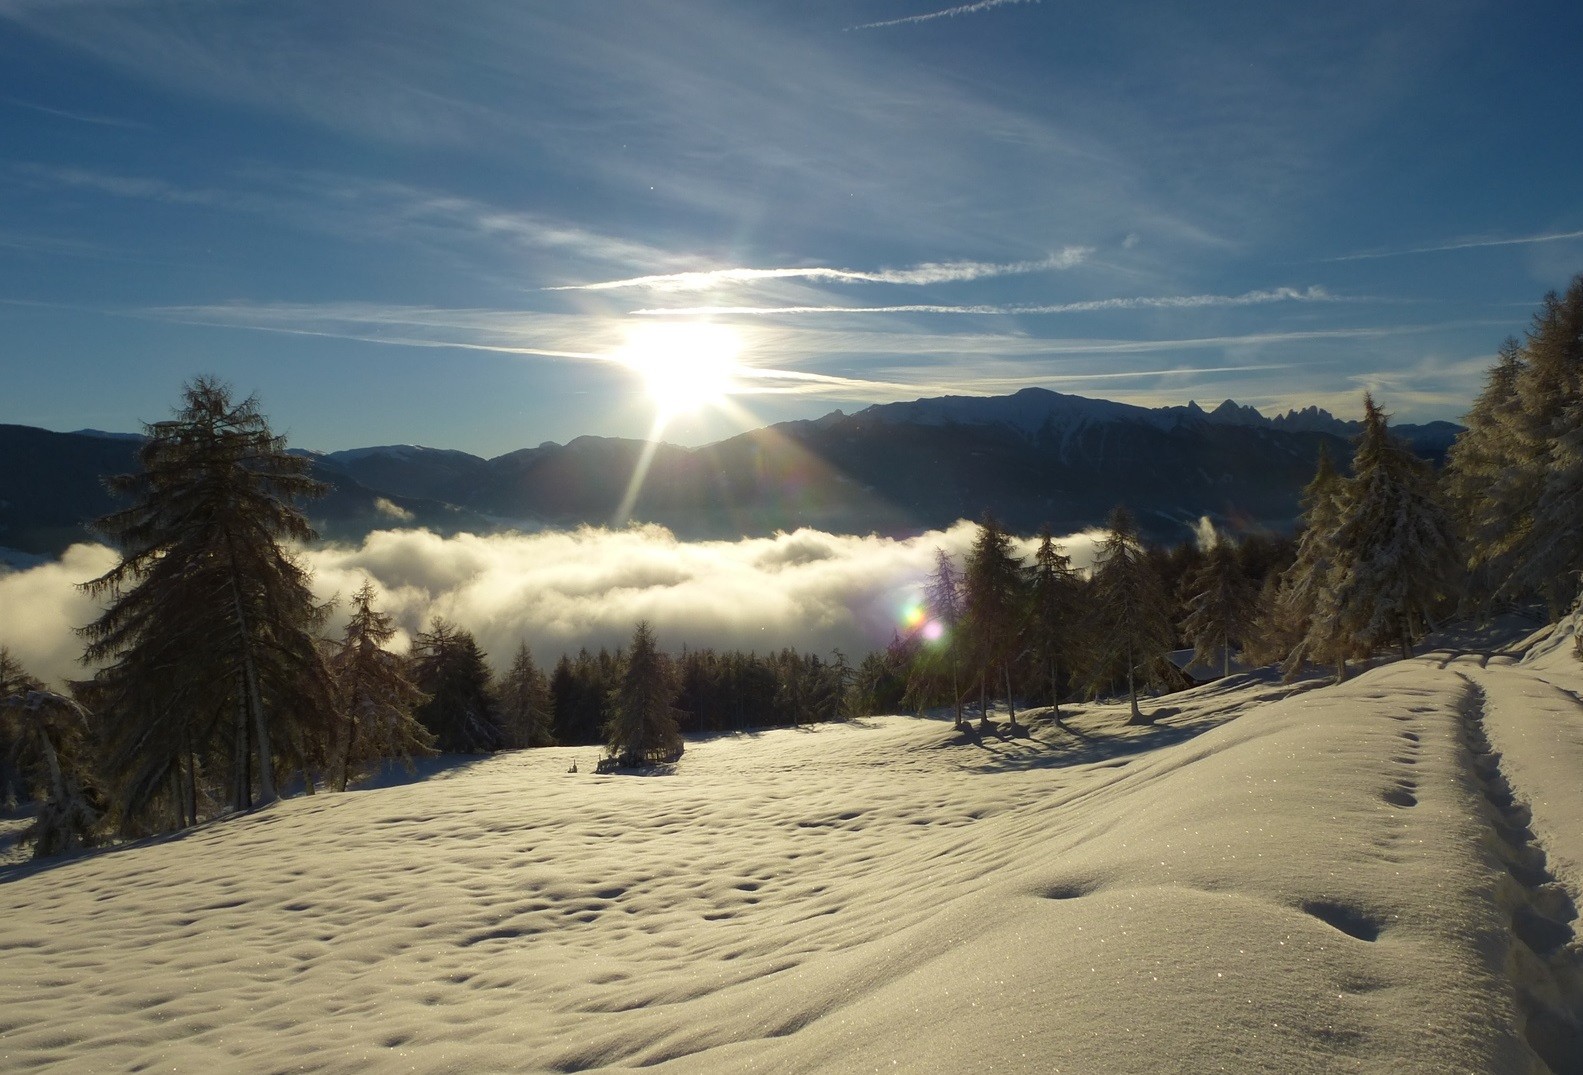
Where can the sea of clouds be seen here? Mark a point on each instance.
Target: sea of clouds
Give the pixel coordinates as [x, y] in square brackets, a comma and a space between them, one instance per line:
[560, 591]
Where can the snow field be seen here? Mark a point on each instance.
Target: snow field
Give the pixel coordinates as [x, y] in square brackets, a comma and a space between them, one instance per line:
[1272, 879]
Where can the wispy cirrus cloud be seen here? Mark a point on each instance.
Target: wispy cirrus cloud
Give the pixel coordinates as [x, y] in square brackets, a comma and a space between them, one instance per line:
[929, 272]
[1461, 244]
[146, 188]
[78, 117]
[948, 13]
[351, 206]
[1155, 302]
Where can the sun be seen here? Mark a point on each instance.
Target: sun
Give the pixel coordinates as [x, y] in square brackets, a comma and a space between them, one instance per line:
[684, 366]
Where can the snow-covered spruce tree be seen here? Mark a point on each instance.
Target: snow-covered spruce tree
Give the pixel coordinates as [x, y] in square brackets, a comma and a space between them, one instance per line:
[15, 781]
[1397, 562]
[522, 698]
[1304, 610]
[49, 735]
[209, 638]
[943, 596]
[995, 607]
[1054, 613]
[1131, 629]
[377, 701]
[1222, 605]
[642, 728]
[449, 667]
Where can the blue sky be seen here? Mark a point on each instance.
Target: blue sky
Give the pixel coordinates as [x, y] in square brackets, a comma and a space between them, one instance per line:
[414, 222]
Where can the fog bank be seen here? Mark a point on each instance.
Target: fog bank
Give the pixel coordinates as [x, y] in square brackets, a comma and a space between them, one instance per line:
[563, 590]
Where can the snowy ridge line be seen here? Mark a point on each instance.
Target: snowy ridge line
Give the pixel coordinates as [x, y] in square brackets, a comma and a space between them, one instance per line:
[1544, 966]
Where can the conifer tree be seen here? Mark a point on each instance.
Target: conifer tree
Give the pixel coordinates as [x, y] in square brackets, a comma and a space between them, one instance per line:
[46, 756]
[209, 638]
[377, 700]
[527, 713]
[642, 728]
[1054, 614]
[1304, 606]
[943, 597]
[15, 781]
[1477, 476]
[1222, 605]
[1552, 555]
[1132, 615]
[50, 736]
[449, 667]
[995, 608]
[1508, 473]
[1397, 560]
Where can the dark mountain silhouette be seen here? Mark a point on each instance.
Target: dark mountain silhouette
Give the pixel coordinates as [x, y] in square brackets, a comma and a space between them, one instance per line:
[1031, 458]
[52, 487]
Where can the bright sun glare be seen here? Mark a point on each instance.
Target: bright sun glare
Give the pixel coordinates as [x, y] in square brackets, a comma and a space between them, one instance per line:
[684, 366]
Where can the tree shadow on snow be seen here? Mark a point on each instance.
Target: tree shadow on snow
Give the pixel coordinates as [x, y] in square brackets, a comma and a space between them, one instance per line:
[1039, 741]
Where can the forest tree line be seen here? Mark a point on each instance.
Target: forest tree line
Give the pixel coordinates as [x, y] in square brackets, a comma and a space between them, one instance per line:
[216, 686]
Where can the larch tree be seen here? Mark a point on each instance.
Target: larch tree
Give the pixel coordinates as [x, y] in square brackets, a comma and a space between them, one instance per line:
[642, 729]
[995, 608]
[1543, 545]
[1222, 607]
[449, 667]
[1397, 559]
[1131, 628]
[208, 640]
[1477, 480]
[1553, 552]
[522, 698]
[943, 597]
[1508, 473]
[377, 700]
[1054, 614]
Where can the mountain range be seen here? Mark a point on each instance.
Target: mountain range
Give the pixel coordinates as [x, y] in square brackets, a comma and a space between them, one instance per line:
[1031, 458]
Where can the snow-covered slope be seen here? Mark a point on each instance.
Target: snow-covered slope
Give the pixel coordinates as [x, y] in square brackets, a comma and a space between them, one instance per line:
[1273, 879]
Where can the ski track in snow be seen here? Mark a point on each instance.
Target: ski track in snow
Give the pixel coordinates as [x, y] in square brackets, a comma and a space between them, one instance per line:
[1373, 876]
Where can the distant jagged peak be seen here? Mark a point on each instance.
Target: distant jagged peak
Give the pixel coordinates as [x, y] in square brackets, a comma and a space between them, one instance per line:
[1231, 412]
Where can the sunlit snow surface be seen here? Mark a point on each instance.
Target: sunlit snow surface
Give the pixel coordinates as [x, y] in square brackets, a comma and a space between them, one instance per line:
[1273, 879]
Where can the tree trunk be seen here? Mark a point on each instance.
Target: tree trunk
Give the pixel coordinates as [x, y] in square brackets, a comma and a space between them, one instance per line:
[983, 699]
[266, 761]
[1011, 706]
[189, 791]
[1132, 695]
[956, 694]
[346, 755]
[1225, 654]
[241, 794]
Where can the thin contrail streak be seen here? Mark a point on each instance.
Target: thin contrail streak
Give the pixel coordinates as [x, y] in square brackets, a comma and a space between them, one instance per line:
[1169, 302]
[952, 12]
[1470, 244]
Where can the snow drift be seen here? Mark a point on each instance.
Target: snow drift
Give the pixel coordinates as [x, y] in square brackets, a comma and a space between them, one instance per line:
[1272, 878]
